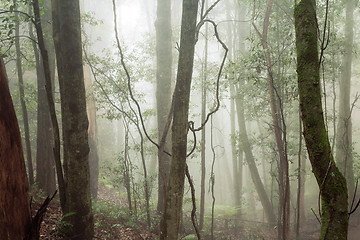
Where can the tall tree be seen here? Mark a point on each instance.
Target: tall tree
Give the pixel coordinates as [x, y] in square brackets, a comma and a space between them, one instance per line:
[22, 96]
[343, 155]
[203, 131]
[74, 118]
[163, 90]
[236, 151]
[173, 209]
[279, 132]
[332, 184]
[250, 159]
[51, 104]
[45, 169]
[15, 216]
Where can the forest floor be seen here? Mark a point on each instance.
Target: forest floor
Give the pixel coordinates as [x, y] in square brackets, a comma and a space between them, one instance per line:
[107, 227]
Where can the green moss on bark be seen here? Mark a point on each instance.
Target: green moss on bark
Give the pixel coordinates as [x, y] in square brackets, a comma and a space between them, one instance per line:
[332, 184]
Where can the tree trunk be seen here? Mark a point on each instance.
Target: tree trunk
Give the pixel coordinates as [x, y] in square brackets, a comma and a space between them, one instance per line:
[15, 216]
[74, 120]
[48, 87]
[332, 184]
[245, 144]
[203, 134]
[45, 165]
[173, 209]
[163, 90]
[284, 185]
[344, 128]
[126, 174]
[22, 98]
[92, 131]
[300, 213]
[237, 175]
[235, 153]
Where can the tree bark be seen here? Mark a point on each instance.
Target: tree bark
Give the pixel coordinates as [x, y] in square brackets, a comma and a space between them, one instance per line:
[172, 216]
[74, 120]
[332, 184]
[15, 216]
[163, 90]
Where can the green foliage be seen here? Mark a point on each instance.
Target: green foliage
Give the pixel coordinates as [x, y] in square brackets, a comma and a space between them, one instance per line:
[356, 161]
[7, 21]
[118, 213]
[63, 225]
[110, 209]
[252, 236]
[190, 237]
[31, 104]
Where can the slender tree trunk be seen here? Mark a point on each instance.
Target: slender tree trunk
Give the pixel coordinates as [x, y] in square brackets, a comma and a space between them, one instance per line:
[284, 185]
[48, 87]
[163, 90]
[127, 179]
[332, 184]
[45, 165]
[172, 216]
[236, 153]
[22, 98]
[203, 133]
[15, 216]
[245, 143]
[237, 183]
[300, 215]
[344, 128]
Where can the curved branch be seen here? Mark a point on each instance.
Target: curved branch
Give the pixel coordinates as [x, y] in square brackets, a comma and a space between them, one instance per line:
[128, 77]
[219, 73]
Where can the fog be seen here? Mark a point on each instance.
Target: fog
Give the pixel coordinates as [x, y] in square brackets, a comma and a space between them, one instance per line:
[237, 108]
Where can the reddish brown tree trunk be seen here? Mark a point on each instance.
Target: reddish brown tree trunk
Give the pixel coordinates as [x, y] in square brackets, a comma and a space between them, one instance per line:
[15, 216]
[92, 131]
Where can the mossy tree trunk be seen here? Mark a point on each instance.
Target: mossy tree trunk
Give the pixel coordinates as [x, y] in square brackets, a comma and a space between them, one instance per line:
[332, 184]
[173, 209]
[74, 119]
